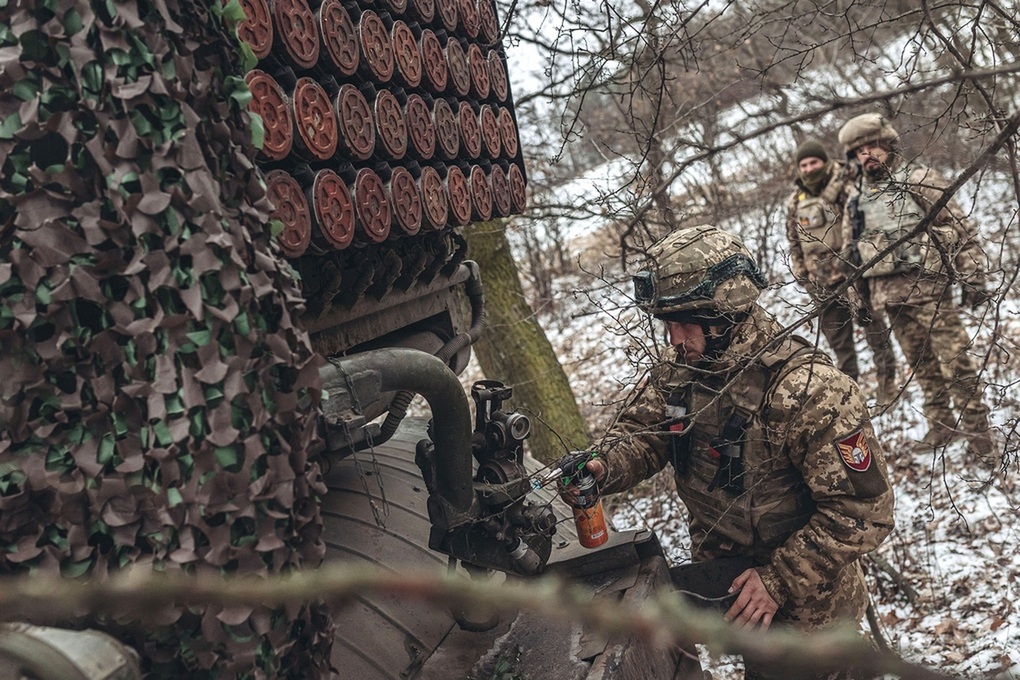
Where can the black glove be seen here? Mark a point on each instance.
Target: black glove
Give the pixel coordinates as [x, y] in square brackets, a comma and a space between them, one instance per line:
[974, 295]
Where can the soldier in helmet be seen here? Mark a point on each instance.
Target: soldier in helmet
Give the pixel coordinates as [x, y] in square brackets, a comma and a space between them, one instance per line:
[814, 222]
[771, 447]
[911, 283]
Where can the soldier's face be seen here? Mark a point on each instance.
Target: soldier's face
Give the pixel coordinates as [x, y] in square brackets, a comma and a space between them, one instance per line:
[688, 339]
[871, 156]
[809, 165]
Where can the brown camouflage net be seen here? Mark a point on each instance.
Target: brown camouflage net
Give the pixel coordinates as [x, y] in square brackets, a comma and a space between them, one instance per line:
[156, 396]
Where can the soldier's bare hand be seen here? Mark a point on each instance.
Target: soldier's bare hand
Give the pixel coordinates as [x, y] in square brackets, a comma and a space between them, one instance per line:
[754, 606]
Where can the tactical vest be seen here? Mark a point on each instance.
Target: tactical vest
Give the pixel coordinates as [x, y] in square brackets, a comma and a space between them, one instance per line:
[732, 476]
[819, 226]
[890, 211]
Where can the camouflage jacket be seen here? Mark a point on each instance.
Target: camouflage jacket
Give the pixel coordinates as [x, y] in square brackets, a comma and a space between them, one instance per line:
[815, 493]
[814, 230]
[901, 201]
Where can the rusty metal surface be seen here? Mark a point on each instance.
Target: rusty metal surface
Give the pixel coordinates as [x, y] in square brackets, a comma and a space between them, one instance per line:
[508, 133]
[447, 130]
[481, 194]
[491, 132]
[376, 46]
[297, 32]
[501, 202]
[257, 27]
[390, 127]
[421, 129]
[458, 196]
[447, 11]
[518, 188]
[435, 209]
[332, 210]
[436, 70]
[339, 37]
[488, 23]
[371, 206]
[423, 10]
[407, 105]
[470, 131]
[497, 76]
[291, 208]
[459, 69]
[315, 121]
[270, 103]
[479, 69]
[356, 137]
[468, 14]
[405, 201]
[406, 54]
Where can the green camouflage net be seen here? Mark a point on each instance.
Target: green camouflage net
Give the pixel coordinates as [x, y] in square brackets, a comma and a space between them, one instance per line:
[156, 398]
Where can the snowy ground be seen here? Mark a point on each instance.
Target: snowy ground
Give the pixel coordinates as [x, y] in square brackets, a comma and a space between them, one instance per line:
[947, 593]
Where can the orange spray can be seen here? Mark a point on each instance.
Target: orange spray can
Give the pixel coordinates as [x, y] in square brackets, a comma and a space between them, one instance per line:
[589, 518]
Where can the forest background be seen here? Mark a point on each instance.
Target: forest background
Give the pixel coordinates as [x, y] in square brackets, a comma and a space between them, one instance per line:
[637, 118]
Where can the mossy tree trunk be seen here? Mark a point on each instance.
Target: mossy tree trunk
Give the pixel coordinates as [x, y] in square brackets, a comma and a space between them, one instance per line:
[514, 349]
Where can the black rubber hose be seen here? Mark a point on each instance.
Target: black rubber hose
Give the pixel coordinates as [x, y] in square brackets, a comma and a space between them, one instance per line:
[423, 373]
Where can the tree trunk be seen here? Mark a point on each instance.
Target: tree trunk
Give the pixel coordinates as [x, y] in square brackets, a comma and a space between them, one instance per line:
[514, 349]
[157, 397]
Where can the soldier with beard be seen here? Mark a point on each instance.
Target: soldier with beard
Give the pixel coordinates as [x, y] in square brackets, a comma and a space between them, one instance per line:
[911, 283]
[814, 216]
[771, 446]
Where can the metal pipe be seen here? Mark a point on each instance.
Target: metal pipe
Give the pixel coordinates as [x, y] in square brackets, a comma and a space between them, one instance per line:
[424, 374]
[400, 403]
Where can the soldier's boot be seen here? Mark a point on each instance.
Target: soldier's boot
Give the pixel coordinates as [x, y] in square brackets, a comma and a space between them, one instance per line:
[888, 390]
[981, 444]
[940, 434]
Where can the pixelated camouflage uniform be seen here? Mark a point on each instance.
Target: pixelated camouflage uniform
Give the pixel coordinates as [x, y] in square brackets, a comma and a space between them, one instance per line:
[814, 231]
[912, 286]
[804, 513]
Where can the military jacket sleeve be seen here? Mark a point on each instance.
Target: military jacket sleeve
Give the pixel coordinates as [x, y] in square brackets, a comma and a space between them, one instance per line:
[927, 187]
[797, 264]
[821, 419]
[635, 447]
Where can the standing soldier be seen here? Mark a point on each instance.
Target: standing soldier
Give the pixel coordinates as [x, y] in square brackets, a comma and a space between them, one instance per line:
[814, 216]
[911, 282]
[772, 449]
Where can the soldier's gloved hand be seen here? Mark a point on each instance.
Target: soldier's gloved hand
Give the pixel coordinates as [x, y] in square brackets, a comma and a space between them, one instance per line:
[974, 295]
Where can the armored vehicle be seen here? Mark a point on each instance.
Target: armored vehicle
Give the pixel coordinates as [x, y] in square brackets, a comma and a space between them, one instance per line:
[385, 126]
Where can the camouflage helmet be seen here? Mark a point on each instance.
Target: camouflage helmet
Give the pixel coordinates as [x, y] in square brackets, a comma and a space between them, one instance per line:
[868, 127]
[702, 269]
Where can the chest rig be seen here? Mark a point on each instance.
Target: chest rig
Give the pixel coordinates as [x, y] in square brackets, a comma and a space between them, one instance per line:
[732, 469]
[819, 226]
[890, 212]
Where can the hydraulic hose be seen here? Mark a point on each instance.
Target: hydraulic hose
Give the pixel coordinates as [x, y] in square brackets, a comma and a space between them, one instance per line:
[402, 369]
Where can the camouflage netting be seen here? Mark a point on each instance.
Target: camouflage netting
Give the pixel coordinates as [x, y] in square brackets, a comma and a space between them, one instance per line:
[156, 398]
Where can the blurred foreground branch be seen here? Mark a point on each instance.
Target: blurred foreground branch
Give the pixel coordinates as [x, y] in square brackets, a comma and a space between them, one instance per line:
[664, 620]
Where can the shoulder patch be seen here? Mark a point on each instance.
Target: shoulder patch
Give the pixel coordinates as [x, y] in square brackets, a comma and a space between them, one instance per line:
[855, 452]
